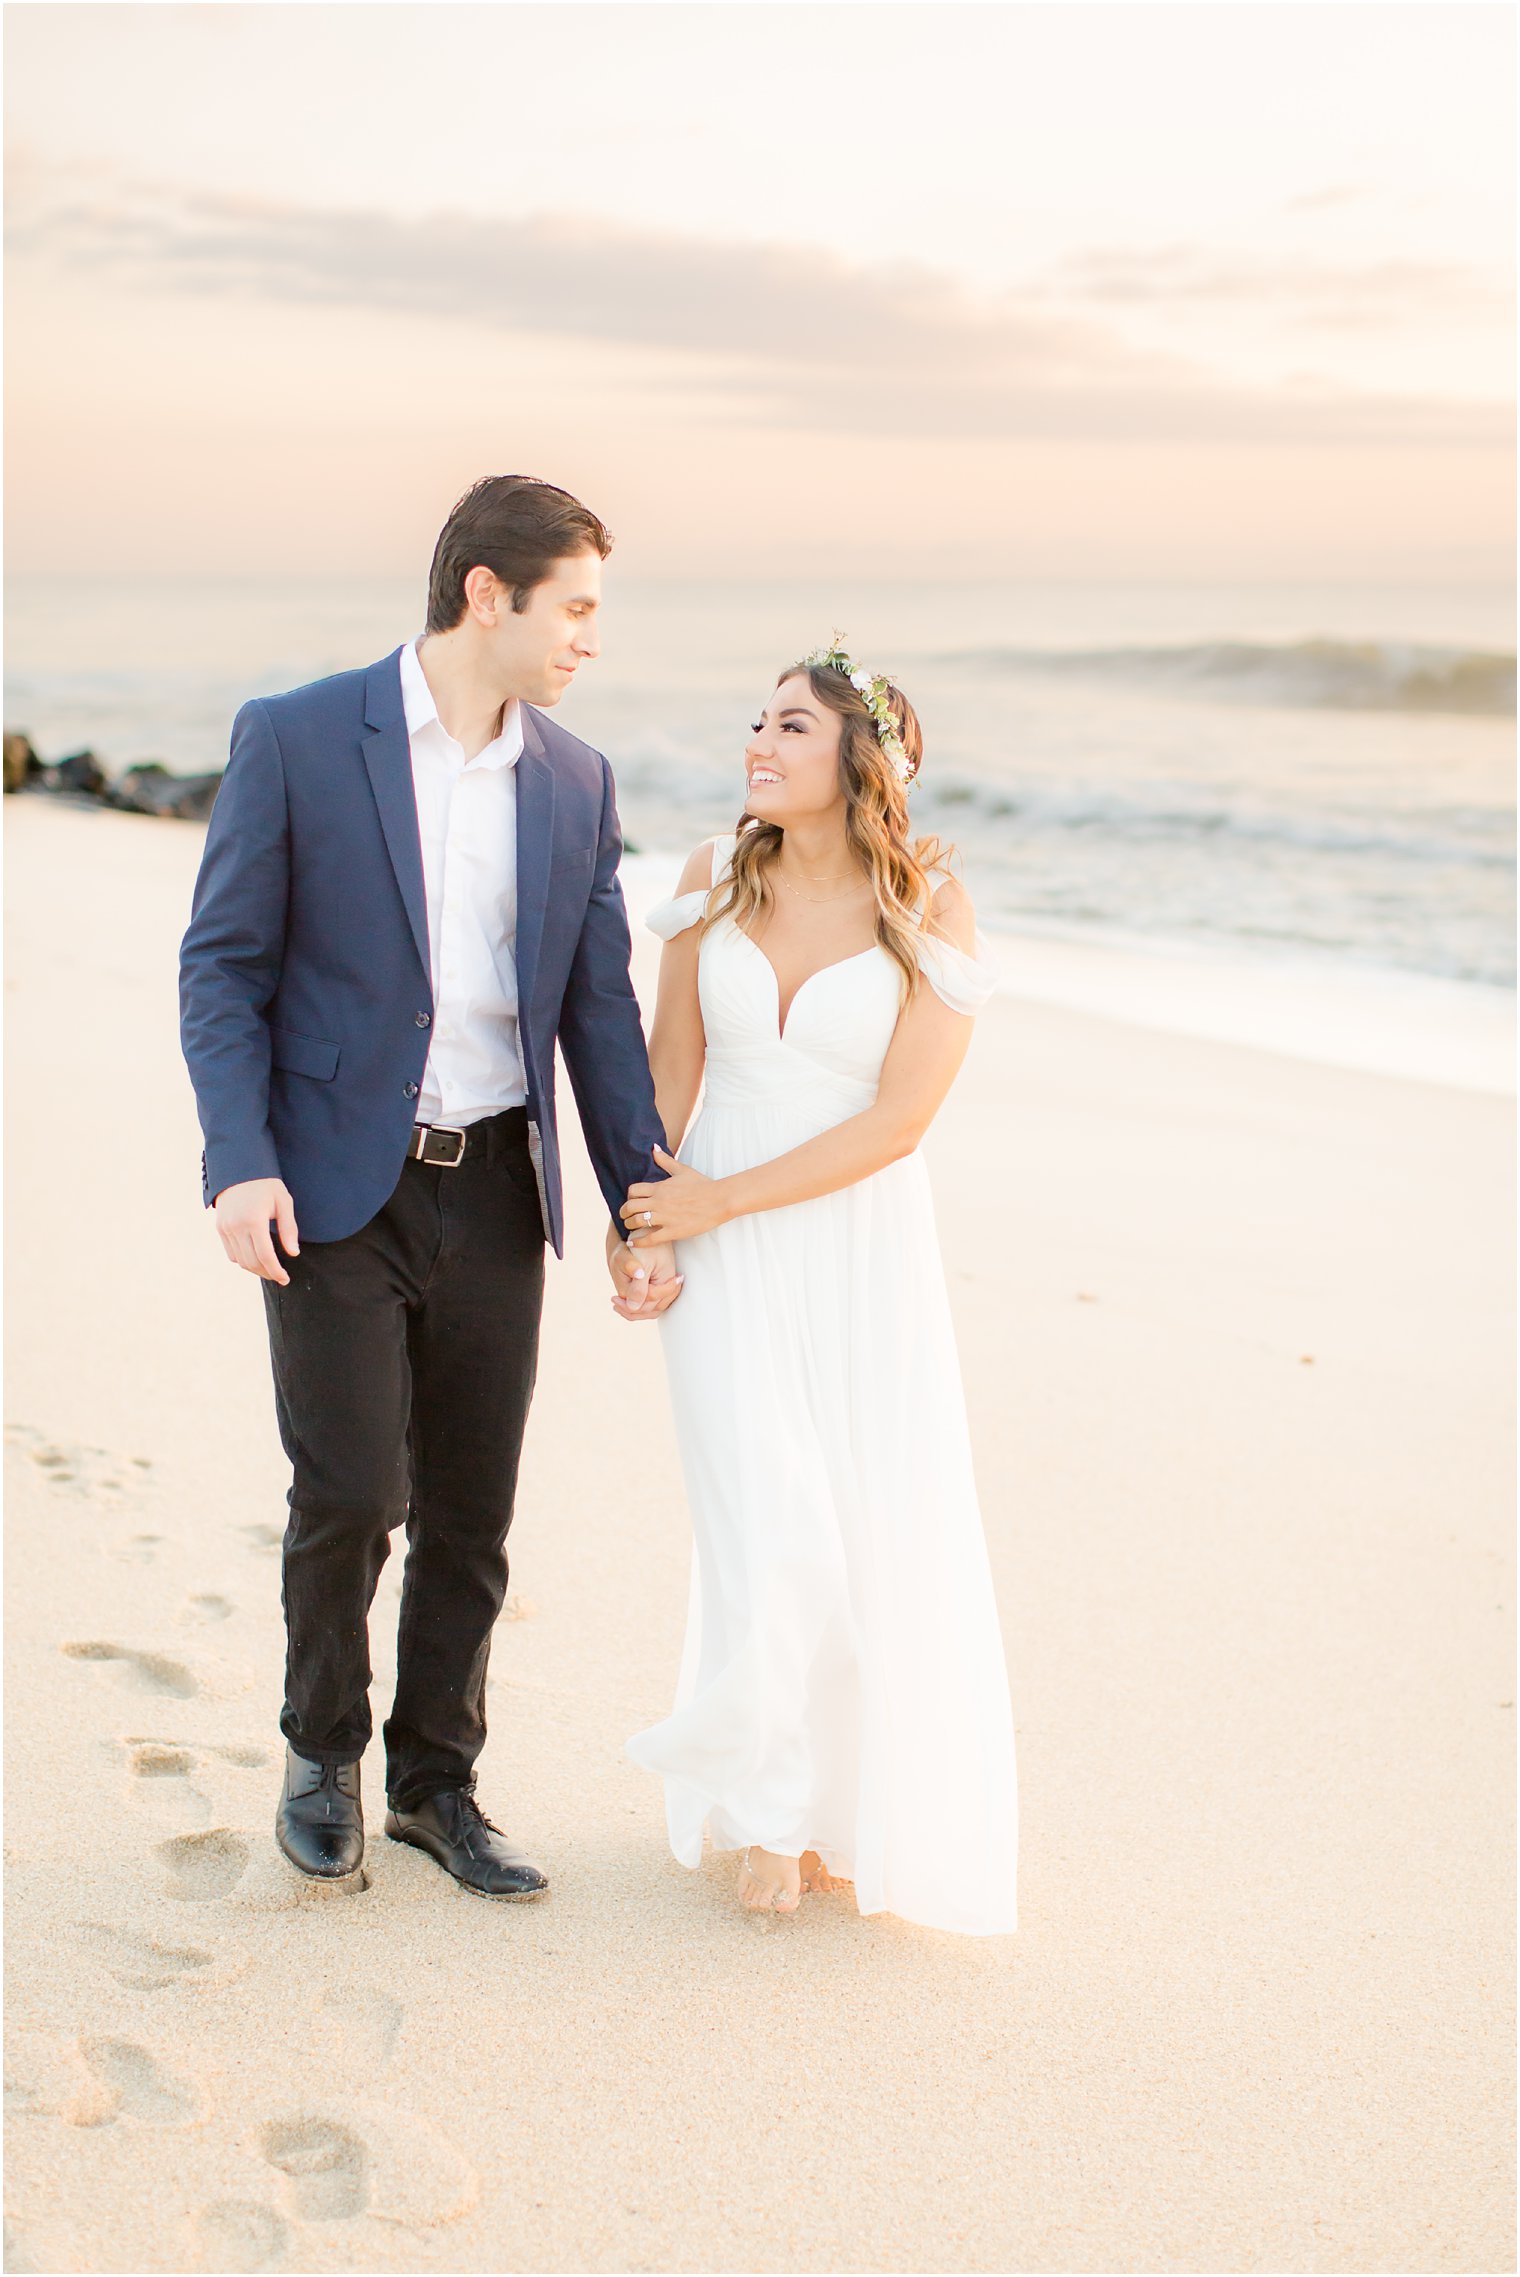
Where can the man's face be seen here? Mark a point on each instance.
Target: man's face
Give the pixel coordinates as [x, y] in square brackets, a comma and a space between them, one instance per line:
[540, 652]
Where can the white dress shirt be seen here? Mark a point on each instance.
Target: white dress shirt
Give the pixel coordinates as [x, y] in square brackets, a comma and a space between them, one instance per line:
[467, 822]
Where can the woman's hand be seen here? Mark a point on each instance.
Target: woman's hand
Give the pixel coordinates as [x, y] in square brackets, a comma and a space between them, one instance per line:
[678, 1208]
[644, 1286]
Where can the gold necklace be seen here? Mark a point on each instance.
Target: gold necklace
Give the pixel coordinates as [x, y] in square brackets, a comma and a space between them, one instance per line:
[821, 897]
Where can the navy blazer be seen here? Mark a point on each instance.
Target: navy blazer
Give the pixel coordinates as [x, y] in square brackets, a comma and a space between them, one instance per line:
[306, 1001]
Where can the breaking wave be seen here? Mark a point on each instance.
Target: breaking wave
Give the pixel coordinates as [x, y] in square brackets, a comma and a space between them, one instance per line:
[1451, 834]
[1317, 675]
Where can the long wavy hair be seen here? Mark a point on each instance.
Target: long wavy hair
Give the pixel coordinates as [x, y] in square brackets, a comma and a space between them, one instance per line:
[903, 870]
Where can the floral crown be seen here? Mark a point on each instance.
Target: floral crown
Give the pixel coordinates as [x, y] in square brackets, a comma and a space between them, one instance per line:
[875, 691]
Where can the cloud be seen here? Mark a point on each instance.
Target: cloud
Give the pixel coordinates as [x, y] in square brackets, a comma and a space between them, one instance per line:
[789, 335]
[1333, 194]
[1397, 292]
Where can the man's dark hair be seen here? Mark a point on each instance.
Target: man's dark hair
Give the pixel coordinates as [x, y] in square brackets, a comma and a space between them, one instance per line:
[517, 527]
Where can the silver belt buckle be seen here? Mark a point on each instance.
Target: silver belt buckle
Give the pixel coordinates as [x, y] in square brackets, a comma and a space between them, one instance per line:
[448, 1130]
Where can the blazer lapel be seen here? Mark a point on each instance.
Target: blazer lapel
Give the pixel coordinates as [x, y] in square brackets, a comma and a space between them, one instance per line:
[388, 756]
[535, 842]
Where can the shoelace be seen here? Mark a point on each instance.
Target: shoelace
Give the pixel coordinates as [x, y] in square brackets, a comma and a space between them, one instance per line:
[476, 1812]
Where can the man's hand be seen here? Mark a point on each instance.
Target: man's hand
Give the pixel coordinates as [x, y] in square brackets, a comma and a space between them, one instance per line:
[243, 1214]
[645, 1285]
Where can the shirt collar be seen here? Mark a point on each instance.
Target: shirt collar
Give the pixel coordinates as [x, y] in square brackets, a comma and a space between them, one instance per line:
[421, 712]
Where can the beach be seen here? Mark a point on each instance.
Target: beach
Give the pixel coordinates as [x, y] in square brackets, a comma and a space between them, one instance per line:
[1235, 1330]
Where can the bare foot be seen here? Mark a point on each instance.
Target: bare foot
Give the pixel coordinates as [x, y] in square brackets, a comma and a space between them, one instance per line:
[816, 1877]
[769, 1882]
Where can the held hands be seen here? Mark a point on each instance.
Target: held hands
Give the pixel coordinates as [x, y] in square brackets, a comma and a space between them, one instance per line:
[243, 1215]
[682, 1205]
[643, 1286]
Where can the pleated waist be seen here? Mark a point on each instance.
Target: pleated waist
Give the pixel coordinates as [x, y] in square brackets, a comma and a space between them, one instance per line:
[776, 1077]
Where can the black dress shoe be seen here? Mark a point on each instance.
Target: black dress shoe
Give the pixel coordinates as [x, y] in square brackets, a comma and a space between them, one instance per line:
[320, 1822]
[451, 1827]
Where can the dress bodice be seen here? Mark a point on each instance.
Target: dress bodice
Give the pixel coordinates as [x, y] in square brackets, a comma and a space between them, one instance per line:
[838, 1025]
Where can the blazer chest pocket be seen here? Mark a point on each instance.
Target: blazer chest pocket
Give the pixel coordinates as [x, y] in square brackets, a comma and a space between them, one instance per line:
[303, 1055]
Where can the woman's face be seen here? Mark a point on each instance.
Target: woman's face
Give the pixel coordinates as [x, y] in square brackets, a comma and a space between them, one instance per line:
[792, 757]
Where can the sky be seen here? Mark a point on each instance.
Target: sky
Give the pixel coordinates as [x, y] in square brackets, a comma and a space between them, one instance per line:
[943, 291]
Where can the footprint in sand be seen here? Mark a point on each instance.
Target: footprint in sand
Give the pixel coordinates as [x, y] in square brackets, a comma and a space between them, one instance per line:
[158, 1759]
[150, 1671]
[325, 2167]
[203, 1867]
[140, 1549]
[141, 2089]
[92, 1474]
[47, 2078]
[200, 1611]
[172, 1759]
[142, 1964]
[165, 1766]
[239, 2234]
[265, 1539]
[372, 2158]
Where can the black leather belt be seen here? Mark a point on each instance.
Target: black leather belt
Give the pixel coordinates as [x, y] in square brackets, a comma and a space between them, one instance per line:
[446, 1145]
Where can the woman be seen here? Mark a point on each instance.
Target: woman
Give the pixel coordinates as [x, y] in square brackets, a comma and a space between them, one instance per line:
[842, 1710]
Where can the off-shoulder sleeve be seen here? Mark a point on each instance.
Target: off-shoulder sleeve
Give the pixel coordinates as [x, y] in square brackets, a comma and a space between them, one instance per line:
[668, 918]
[964, 983]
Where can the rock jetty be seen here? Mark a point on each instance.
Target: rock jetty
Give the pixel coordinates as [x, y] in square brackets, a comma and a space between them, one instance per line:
[148, 787]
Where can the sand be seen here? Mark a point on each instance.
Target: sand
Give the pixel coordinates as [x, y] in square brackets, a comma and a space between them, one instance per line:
[1235, 1337]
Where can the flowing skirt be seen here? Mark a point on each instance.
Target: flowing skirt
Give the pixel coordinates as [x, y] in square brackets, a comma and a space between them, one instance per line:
[843, 1685]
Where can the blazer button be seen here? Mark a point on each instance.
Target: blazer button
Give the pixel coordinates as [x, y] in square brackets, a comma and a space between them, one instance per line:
[424, 1019]
[410, 1090]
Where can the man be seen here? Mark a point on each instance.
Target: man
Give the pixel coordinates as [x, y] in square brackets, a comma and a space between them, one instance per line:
[408, 895]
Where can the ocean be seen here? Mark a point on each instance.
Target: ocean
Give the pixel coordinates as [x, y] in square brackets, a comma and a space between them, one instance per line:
[1266, 801]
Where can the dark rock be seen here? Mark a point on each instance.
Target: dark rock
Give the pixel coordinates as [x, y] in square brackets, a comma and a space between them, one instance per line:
[149, 788]
[80, 771]
[21, 762]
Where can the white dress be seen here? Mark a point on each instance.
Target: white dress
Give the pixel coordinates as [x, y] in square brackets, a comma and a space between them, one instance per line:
[843, 1686]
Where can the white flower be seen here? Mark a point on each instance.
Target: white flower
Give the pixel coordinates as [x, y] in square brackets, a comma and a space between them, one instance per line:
[861, 680]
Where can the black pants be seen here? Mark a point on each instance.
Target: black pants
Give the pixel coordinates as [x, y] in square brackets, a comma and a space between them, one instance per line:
[404, 1359]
